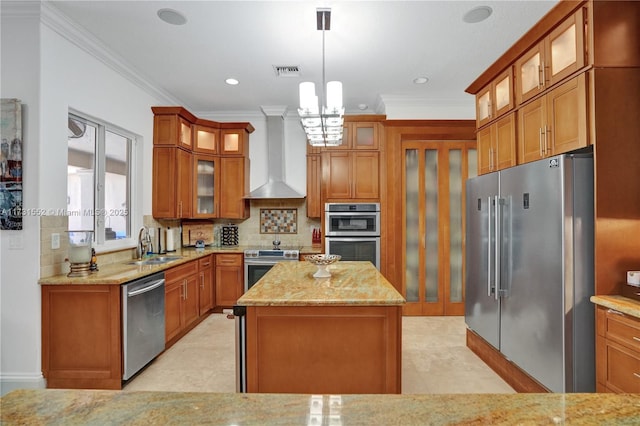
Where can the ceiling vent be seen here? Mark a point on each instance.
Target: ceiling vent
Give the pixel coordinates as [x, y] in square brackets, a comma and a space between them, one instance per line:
[287, 70]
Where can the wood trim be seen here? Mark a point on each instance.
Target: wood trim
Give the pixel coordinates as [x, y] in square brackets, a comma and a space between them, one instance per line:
[510, 373]
[528, 40]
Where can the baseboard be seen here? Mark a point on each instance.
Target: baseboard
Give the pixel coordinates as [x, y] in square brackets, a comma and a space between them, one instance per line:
[510, 373]
[9, 382]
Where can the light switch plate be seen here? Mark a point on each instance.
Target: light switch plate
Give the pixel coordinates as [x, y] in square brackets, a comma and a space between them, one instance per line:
[55, 241]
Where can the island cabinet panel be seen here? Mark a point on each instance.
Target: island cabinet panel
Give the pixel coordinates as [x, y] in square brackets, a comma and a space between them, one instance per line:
[617, 351]
[324, 349]
[81, 336]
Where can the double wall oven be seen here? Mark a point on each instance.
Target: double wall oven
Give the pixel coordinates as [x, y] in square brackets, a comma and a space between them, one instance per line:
[352, 230]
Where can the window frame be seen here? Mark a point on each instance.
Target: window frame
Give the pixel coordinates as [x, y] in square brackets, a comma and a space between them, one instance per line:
[100, 244]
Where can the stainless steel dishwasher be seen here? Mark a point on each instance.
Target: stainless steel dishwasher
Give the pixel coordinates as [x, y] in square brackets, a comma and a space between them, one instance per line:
[143, 333]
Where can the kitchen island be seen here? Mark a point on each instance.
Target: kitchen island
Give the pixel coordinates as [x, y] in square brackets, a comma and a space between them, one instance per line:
[102, 407]
[336, 335]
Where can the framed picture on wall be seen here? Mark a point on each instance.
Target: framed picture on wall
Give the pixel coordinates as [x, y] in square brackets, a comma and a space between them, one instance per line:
[11, 164]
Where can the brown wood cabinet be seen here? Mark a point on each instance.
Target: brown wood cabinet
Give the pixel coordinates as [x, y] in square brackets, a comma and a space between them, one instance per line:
[555, 57]
[172, 182]
[234, 186]
[324, 349]
[554, 123]
[82, 336]
[182, 307]
[497, 145]
[229, 279]
[314, 186]
[496, 99]
[233, 141]
[170, 128]
[206, 186]
[216, 182]
[205, 139]
[617, 351]
[351, 175]
[206, 284]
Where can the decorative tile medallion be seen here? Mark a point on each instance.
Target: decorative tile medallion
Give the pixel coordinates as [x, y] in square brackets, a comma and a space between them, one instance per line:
[282, 221]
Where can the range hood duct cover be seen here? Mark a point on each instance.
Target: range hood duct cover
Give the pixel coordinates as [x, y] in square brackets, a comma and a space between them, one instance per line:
[275, 186]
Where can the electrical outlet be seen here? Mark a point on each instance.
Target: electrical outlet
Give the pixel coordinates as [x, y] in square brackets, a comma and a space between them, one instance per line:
[55, 241]
[16, 242]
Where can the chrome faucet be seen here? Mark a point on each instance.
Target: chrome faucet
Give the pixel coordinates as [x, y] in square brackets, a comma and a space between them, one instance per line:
[143, 242]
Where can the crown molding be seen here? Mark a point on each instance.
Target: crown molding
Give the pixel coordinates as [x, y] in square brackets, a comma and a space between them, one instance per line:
[57, 21]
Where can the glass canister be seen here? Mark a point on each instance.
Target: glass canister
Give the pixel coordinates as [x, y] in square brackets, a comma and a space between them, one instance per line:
[80, 253]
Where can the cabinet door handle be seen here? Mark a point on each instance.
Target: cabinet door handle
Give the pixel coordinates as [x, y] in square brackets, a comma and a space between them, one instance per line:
[202, 280]
[540, 142]
[613, 311]
[547, 150]
[544, 74]
[637, 339]
[637, 375]
[489, 109]
[540, 76]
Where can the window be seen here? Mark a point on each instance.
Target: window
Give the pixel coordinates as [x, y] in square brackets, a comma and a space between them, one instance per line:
[99, 171]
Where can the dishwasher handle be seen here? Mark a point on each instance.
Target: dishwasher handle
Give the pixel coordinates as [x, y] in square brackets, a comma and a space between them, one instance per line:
[153, 285]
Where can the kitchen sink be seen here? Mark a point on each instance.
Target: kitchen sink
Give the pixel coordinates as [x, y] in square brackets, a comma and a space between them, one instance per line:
[158, 260]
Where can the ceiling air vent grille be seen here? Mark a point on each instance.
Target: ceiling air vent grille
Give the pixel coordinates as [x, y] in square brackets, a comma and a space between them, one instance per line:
[287, 70]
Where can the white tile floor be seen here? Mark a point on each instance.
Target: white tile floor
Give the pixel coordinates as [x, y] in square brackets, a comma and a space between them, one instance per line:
[435, 359]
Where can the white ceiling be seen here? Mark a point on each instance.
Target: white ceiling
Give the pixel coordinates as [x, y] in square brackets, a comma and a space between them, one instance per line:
[376, 48]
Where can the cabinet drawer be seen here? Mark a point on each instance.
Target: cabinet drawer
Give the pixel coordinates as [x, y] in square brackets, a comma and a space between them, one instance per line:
[623, 369]
[205, 262]
[228, 260]
[181, 271]
[623, 329]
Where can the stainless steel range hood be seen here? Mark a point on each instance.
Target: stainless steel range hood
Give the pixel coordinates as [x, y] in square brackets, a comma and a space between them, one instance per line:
[275, 186]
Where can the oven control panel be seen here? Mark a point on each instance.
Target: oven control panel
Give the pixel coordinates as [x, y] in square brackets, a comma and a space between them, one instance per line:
[275, 255]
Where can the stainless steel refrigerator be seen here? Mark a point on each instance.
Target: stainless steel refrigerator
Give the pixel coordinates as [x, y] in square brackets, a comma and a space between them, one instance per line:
[529, 268]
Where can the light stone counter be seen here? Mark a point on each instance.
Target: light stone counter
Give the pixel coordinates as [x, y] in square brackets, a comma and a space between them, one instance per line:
[619, 303]
[121, 272]
[293, 284]
[89, 407]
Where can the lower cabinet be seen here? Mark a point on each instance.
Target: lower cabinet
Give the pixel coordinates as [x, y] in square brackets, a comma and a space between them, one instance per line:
[82, 336]
[617, 352]
[182, 307]
[206, 284]
[229, 279]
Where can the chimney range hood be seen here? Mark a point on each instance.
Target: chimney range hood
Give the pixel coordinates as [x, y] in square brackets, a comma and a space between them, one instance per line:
[275, 186]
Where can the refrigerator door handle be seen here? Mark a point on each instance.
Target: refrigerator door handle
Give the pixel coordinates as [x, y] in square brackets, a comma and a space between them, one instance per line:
[489, 235]
[498, 239]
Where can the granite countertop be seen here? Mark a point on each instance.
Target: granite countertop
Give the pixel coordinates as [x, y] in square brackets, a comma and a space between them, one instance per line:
[619, 303]
[122, 272]
[51, 406]
[293, 284]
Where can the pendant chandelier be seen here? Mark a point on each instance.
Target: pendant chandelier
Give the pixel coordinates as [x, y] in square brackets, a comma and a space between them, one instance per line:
[322, 121]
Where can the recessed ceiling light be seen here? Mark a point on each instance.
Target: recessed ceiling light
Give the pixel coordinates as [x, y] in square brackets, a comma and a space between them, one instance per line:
[420, 80]
[477, 14]
[231, 81]
[171, 16]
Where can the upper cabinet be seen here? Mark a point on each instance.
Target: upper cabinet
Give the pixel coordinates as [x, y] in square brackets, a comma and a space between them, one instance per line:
[497, 145]
[200, 167]
[555, 57]
[234, 141]
[205, 139]
[349, 171]
[496, 99]
[172, 127]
